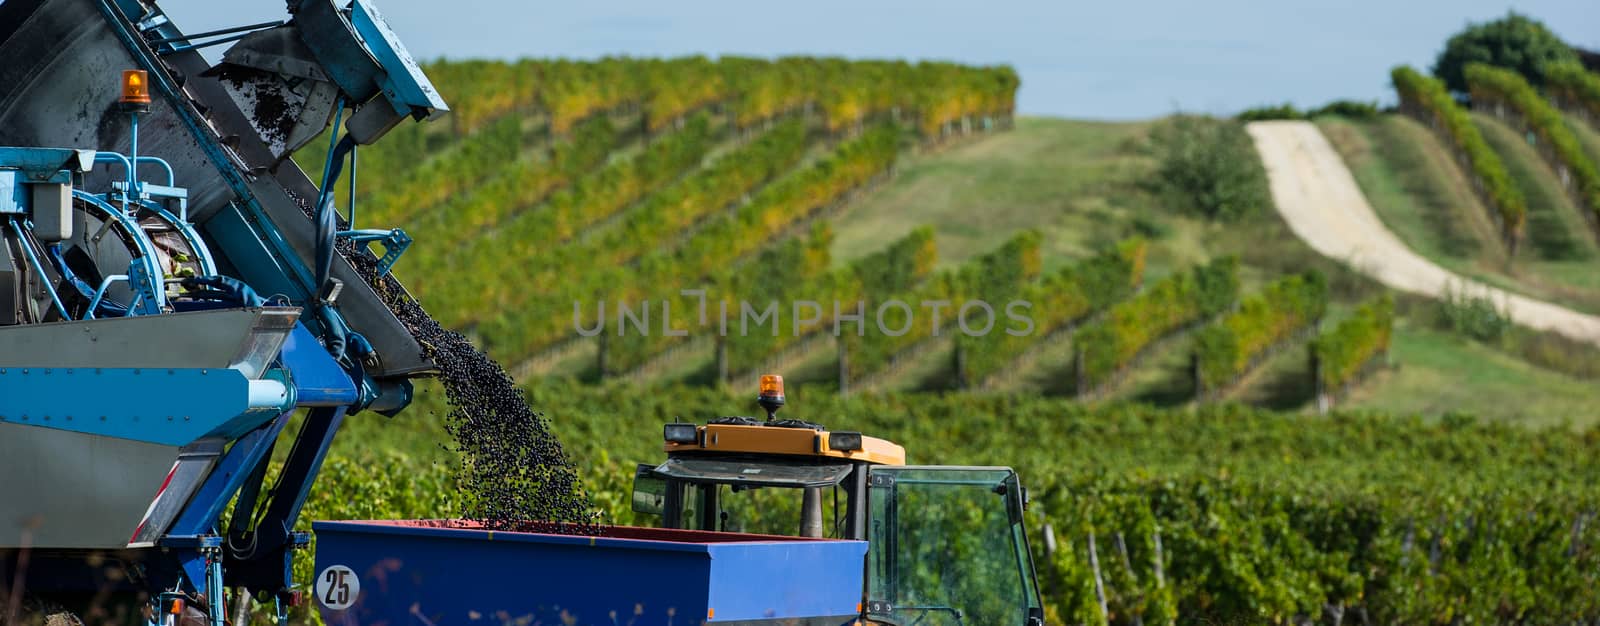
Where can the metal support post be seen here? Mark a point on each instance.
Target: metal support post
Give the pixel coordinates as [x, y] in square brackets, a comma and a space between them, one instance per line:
[133, 164]
[216, 596]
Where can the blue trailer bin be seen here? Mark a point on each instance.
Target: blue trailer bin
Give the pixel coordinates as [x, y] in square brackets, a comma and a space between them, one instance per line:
[439, 572]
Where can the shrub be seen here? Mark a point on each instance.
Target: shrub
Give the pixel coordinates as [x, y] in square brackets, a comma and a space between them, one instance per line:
[576, 188]
[582, 269]
[1347, 108]
[1209, 166]
[1285, 111]
[896, 269]
[1149, 227]
[1476, 316]
[717, 246]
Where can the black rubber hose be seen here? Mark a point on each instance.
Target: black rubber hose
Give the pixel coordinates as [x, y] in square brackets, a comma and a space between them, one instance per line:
[223, 289]
[327, 217]
[336, 335]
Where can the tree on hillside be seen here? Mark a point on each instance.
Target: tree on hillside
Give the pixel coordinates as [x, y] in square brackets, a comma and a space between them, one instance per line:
[1515, 42]
[1209, 166]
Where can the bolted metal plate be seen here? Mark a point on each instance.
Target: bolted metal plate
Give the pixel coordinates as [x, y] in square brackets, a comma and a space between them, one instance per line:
[245, 338]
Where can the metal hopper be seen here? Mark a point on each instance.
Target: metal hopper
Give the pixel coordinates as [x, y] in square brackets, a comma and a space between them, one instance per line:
[83, 448]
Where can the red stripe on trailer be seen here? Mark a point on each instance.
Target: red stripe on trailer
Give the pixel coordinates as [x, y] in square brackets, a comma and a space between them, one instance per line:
[153, 501]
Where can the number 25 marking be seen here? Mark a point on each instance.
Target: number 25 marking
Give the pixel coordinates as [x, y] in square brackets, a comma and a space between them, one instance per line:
[338, 587]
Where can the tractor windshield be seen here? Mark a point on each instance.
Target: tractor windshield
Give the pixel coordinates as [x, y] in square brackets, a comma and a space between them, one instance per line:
[948, 547]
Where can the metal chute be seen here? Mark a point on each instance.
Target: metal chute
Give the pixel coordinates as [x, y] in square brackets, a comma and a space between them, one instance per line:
[290, 79]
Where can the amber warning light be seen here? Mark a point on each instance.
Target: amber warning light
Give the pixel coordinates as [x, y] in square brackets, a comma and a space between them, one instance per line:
[771, 396]
[135, 89]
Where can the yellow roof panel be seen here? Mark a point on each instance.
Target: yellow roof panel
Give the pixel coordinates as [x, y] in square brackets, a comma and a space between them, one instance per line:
[788, 441]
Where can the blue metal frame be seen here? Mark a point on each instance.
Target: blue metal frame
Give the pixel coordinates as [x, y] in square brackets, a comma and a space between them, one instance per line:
[149, 294]
[317, 377]
[205, 508]
[201, 559]
[100, 293]
[319, 381]
[144, 273]
[133, 156]
[395, 242]
[259, 552]
[261, 558]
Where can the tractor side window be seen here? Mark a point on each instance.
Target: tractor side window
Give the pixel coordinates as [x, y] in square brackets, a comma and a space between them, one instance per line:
[694, 501]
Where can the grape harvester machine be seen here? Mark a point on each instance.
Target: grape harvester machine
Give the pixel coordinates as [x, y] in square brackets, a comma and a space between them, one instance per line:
[174, 289]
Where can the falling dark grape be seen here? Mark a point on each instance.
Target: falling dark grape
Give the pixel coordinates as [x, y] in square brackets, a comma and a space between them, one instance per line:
[513, 472]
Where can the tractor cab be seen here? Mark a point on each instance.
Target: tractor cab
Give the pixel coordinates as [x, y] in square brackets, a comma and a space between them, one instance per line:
[946, 544]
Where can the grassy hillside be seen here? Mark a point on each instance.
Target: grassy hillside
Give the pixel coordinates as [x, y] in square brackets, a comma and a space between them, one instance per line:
[1080, 182]
[1076, 182]
[1556, 230]
[1425, 198]
[1436, 373]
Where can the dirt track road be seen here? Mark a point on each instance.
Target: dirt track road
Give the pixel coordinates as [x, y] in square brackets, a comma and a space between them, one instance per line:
[1319, 199]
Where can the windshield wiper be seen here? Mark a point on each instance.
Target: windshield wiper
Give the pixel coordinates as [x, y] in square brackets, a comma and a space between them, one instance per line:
[930, 609]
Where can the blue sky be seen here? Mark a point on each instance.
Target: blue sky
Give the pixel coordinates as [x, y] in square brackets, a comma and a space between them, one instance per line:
[1105, 59]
